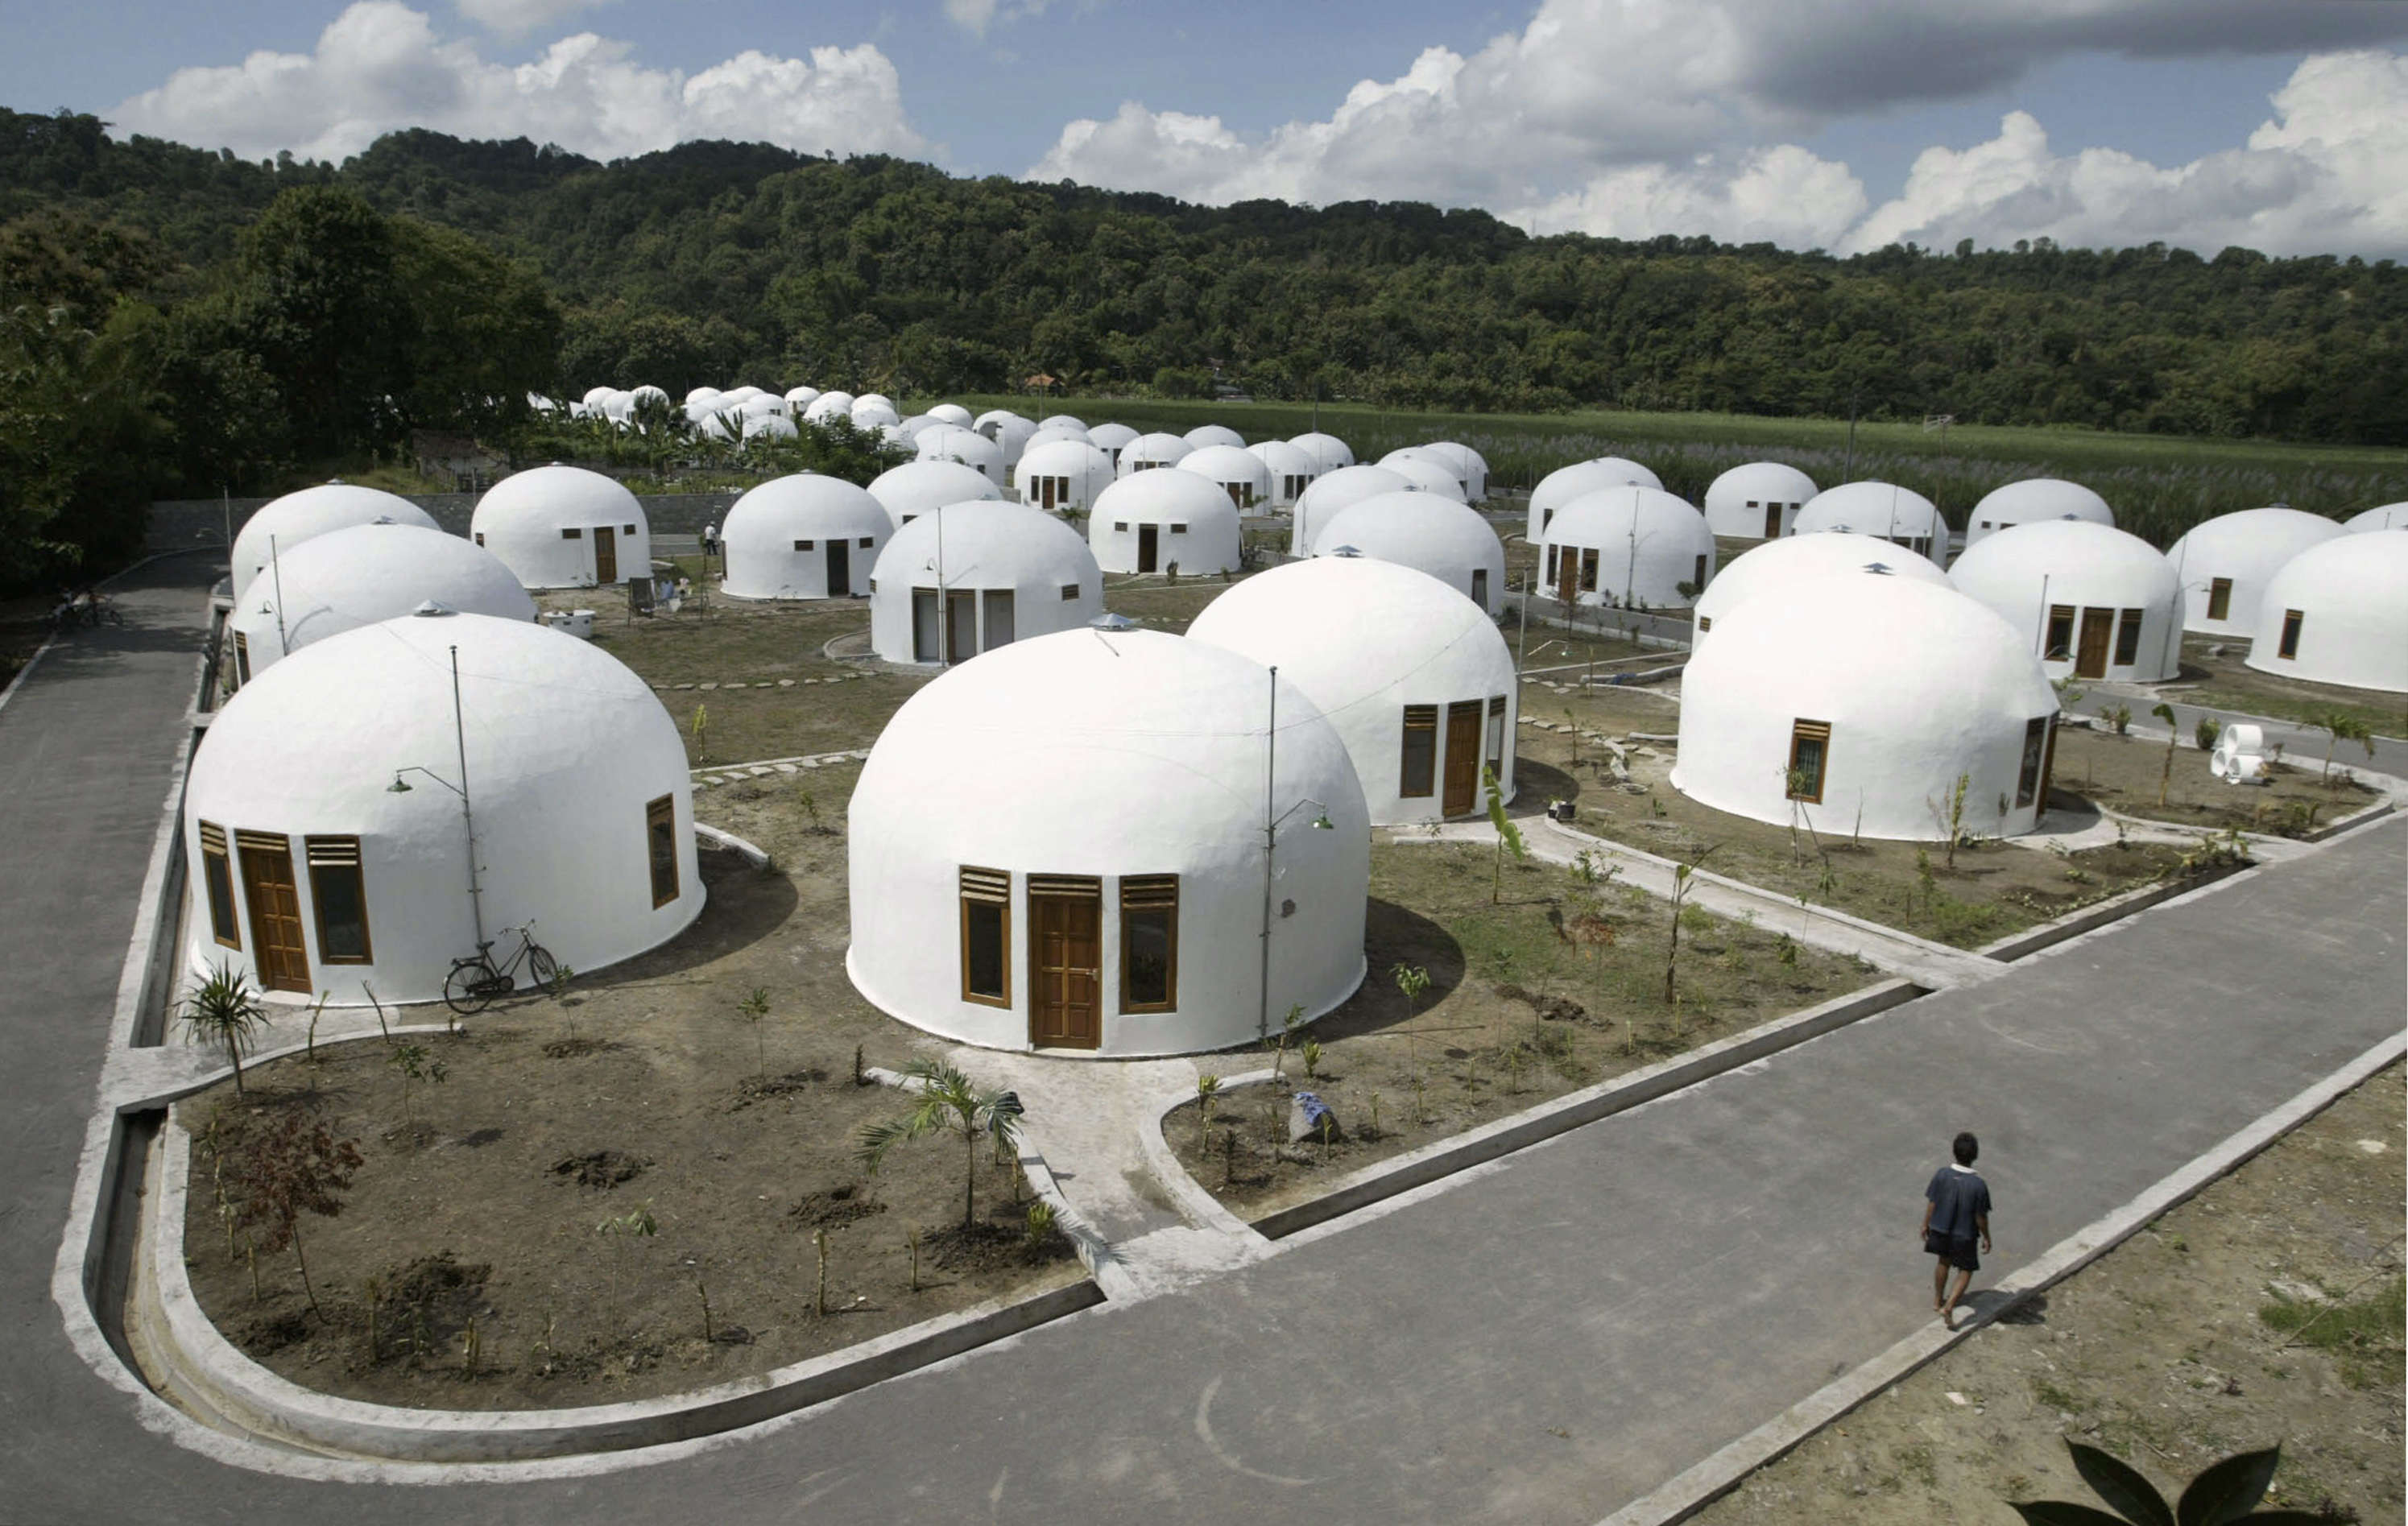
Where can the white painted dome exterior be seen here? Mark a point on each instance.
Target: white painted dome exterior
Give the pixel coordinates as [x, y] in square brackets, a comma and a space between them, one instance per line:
[767, 404]
[797, 398]
[1776, 563]
[1566, 483]
[1010, 434]
[1877, 508]
[548, 526]
[918, 487]
[1429, 534]
[2344, 604]
[770, 426]
[828, 406]
[1239, 472]
[998, 416]
[1063, 472]
[1052, 431]
[1132, 754]
[1290, 470]
[1151, 452]
[737, 397]
[2243, 550]
[1365, 639]
[2031, 501]
[947, 442]
[1470, 466]
[2388, 517]
[1646, 544]
[805, 537]
[297, 517]
[704, 394]
[1209, 435]
[1329, 452]
[2117, 593]
[1011, 562]
[1193, 525]
[1110, 438]
[569, 756]
[873, 415]
[1917, 685]
[1758, 501]
[1062, 420]
[370, 573]
[1334, 492]
[1426, 474]
[951, 413]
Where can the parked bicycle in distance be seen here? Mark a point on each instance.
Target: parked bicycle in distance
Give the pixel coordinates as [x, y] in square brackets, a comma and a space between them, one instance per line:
[476, 982]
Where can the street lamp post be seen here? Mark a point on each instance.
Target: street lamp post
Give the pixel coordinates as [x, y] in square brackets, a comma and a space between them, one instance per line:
[1271, 822]
[467, 812]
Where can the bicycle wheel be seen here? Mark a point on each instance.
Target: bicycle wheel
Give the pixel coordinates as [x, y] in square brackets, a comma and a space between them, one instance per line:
[460, 993]
[541, 964]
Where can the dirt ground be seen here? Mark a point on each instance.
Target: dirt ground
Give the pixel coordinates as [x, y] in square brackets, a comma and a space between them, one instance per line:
[2265, 1310]
[1992, 890]
[1556, 985]
[2122, 772]
[2228, 682]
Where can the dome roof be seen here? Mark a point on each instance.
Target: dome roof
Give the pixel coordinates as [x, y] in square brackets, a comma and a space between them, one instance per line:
[1283, 459]
[2093, 569]
[1155, 449]
[736, 396]
[1426, 474]
[1364, 638]
[1648, 544]
[764, 406]
[1109, 437]
[977, 545]
[2386, 517]
[1050, 432]
[2033, 499]
[704, 395]
[1431, 533]
[346, 579]
[523, 520]
[830, 405]
[870, 415]
[1158, 496]
[565, 750]
[1335, 490]
[1566, 483]
[1010, 434]
[951, 413]
[949, 442]
[770, 426]
[1776, 563]
[1062, 420]
[1209, 435]
[297, 517]
[1200, 532]
[1131, 753]
[1913, 683]
[999, 416]
[1735, 501]
[1226, 463]
[762, 528]
[2350, 594]
[2240, 550]
[1329, 452]
[1875, 509]
[917, 486]
[797, 397]
[1088, 469]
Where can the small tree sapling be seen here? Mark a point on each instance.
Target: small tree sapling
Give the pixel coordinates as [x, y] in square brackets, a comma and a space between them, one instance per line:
[292, 1166]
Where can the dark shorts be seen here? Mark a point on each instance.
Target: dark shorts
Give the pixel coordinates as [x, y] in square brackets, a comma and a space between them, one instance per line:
[1956, 1250]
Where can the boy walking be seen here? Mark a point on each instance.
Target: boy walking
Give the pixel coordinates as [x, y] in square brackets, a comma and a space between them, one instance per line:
[1955, 1212]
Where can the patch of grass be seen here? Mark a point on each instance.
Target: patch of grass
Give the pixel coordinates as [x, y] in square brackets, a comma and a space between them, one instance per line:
[2361, 1327]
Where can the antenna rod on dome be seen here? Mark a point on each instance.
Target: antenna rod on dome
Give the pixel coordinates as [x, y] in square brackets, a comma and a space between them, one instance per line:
[283, 646]
[460, 734]
[1270, 842]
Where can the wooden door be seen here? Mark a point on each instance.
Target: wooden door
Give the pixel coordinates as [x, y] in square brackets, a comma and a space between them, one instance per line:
[1066, 917]
[840, 568]
[1463, 727]
[1567, 574]
[605, 554]
[927, 640]
[2098, 633]
[1149, 545]
[274, 898]
[961, 625]
[1773, 521]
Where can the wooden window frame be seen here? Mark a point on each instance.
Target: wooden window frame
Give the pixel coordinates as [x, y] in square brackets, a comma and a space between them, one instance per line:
[241, 659]
[1804, 731]
[572, 533]
[987, 887]
[629, 530]
[1069, 592]
[657, 812]
[324, 856]
[1550, 579]
[217, 860]
[1178, 529]
[1480, 587]
[807, 545]
[1420, 719]
[2219, 598]
[1699, 580]
[2053, 648]
[2034, 762]
[1705, 623]
[2288, 649]
[1588, 570]
[868, 541]
[1492, 744]
[2127, 638]
[1142, 894]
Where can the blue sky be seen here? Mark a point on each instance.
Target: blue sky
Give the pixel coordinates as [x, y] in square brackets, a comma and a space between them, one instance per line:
[1839, 124]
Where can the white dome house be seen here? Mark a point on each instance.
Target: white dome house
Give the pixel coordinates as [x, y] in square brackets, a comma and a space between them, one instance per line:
[2225, 564]
[1239, 472]
[1112, 439]
[1413, 675]
[1158, 522]
[2091, 600]
[1334, 492]
[1290, 470]
[1062, 473]
[1050, 432]
[1149, 452]
[275, 528]
[1431, 534]
[2388, 517]
[329, 837]
[1203, 436]
[1096, 873]
[1329, 452]
[805, 537]
[1010, 434]
[367, 574]
[1470, 466]
[1777, 564]
[1877, 508]
[1860, 700]
[564, 527]
[1424, 474]
[2338, 613]
[951, 413]
[919, 487]
[967, 446]
[2032, 500]
[1581, 477]
[1628, 547]
[827, 407]
[798, 399]
[972, 577]
[1758, 501]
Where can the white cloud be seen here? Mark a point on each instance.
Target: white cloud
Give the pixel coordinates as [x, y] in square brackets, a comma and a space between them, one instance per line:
[380, 66]
[516, 18]
[971, 16]
[1783, 196]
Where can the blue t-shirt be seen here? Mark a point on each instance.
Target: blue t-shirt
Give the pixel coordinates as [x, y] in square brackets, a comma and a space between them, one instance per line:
[1957, 1196]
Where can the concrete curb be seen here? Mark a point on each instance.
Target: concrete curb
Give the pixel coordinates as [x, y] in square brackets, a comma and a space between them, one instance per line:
[2115, 908]
[1692, 1489]
[31, 663]
[2350, 824]
[1193, 1204]
[1445, 1157]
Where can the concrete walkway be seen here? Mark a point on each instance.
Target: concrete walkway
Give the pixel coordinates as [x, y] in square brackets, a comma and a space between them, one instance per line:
[1541, 1340]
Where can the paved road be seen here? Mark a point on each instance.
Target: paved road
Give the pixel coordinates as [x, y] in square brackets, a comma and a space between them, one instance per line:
[1542, 1344]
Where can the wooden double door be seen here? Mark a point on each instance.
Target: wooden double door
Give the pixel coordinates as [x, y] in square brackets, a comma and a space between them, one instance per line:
[272, 895]
[1066, 953]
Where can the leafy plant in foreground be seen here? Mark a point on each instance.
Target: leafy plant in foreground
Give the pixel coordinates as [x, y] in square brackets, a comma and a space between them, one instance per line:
[2227, 1491]
[225, 1010]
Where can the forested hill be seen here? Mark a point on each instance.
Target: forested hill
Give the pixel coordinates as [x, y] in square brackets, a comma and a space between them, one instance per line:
[719, 262]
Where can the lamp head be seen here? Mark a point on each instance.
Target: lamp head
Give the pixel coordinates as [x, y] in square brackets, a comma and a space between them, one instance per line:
[399, 786]
[1323, 824]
